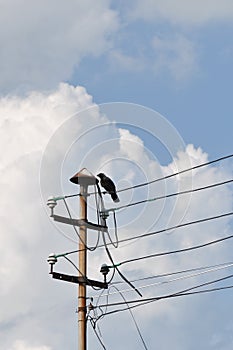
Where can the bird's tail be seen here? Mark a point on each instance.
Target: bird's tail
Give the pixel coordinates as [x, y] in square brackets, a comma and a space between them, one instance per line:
[115, 197]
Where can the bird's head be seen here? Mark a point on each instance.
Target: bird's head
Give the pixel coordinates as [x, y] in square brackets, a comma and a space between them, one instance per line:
[100, 175]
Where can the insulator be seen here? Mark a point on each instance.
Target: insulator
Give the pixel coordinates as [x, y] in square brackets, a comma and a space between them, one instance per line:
[104, 269]
[52, 259]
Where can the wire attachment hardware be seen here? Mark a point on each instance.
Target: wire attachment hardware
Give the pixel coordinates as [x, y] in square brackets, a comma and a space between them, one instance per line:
[104, 270]
[104, 214]
[51, 203]
[52, 259]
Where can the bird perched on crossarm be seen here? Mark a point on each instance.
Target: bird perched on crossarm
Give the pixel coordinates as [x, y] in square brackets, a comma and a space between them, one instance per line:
[109, 186]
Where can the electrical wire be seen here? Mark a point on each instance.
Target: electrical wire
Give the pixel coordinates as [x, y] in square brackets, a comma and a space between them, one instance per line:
[176, 251]
[158, 232]
[151, 300]
[158, 179]
[119, 272]
[98, 217]
[72, 263]
[175, 279]
[225, 265]
[132, 315]
[170, 195]
[103, 224]
[81, 274]
[97, 335]
[175, 174]
[102, 219]
[140, 302]
[115, 228]
[76, 231]
[174, 227]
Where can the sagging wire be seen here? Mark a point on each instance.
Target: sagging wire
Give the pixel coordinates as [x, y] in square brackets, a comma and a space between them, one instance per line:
[93, 320]
[81, 274]
[76, 231]
[116, 234]
[103, 215]
[148, 234]
[134, 320]
[158, 179]
[93, 324]
[178, 278]
[223, 265]
[151, 300]
[183, 292]
[170, 195]
[97, 335]
[72, 263]
[216, 241]
[103, 223]
[97, 214]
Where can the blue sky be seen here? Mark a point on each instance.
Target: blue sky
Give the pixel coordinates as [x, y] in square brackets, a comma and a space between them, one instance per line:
[198, 105]
[138, 90]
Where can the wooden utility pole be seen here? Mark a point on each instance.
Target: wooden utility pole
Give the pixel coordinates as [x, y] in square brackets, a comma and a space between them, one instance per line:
[82, 329]
[83, 178]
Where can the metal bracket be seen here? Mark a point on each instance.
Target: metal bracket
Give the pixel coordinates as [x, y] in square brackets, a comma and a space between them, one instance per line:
[78, 222]
[79, 280]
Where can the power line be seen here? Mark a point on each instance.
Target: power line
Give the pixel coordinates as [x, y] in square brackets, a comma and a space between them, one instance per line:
[76, 231]
[225, 265]
[175, 279]
[177, 173]
[151, 300]
[156, 232]
[170, 195]
[174, 227]
[176, 251]
[180, 293]
[155, 180]
[103, 222]
[97, 335]
[134, 320]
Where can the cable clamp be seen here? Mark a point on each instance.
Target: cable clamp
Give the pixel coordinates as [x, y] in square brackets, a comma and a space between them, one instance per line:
[104, 214]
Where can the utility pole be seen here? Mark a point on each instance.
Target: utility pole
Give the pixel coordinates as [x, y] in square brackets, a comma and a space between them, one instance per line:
[83, 178]
[82, 329]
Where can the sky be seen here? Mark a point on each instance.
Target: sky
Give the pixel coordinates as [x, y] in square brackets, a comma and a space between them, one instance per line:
[137, 90]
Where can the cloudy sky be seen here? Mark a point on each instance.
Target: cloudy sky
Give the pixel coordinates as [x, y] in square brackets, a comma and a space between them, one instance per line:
[138, 90]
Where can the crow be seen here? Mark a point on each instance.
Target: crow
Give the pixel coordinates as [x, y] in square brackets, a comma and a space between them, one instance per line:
[109, 186]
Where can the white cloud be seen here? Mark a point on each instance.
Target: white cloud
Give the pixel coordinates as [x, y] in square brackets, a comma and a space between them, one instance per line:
[184, 12]
[131, 145]
[40, 310]
[176, 55]
[27, 124]
[122, 61]
[43, 42]
[21, 345]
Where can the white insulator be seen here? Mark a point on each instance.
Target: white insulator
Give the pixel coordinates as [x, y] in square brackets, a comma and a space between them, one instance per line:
[52, 259]
[51, 203]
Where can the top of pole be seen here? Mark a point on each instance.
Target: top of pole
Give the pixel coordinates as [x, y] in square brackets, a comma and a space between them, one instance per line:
[84, 177]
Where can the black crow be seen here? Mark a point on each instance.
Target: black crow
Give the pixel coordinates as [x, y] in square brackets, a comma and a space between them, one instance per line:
[109, 186]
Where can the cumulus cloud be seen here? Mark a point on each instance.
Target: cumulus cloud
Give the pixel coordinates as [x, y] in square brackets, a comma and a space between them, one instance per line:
[66, 131]
[43, 42]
